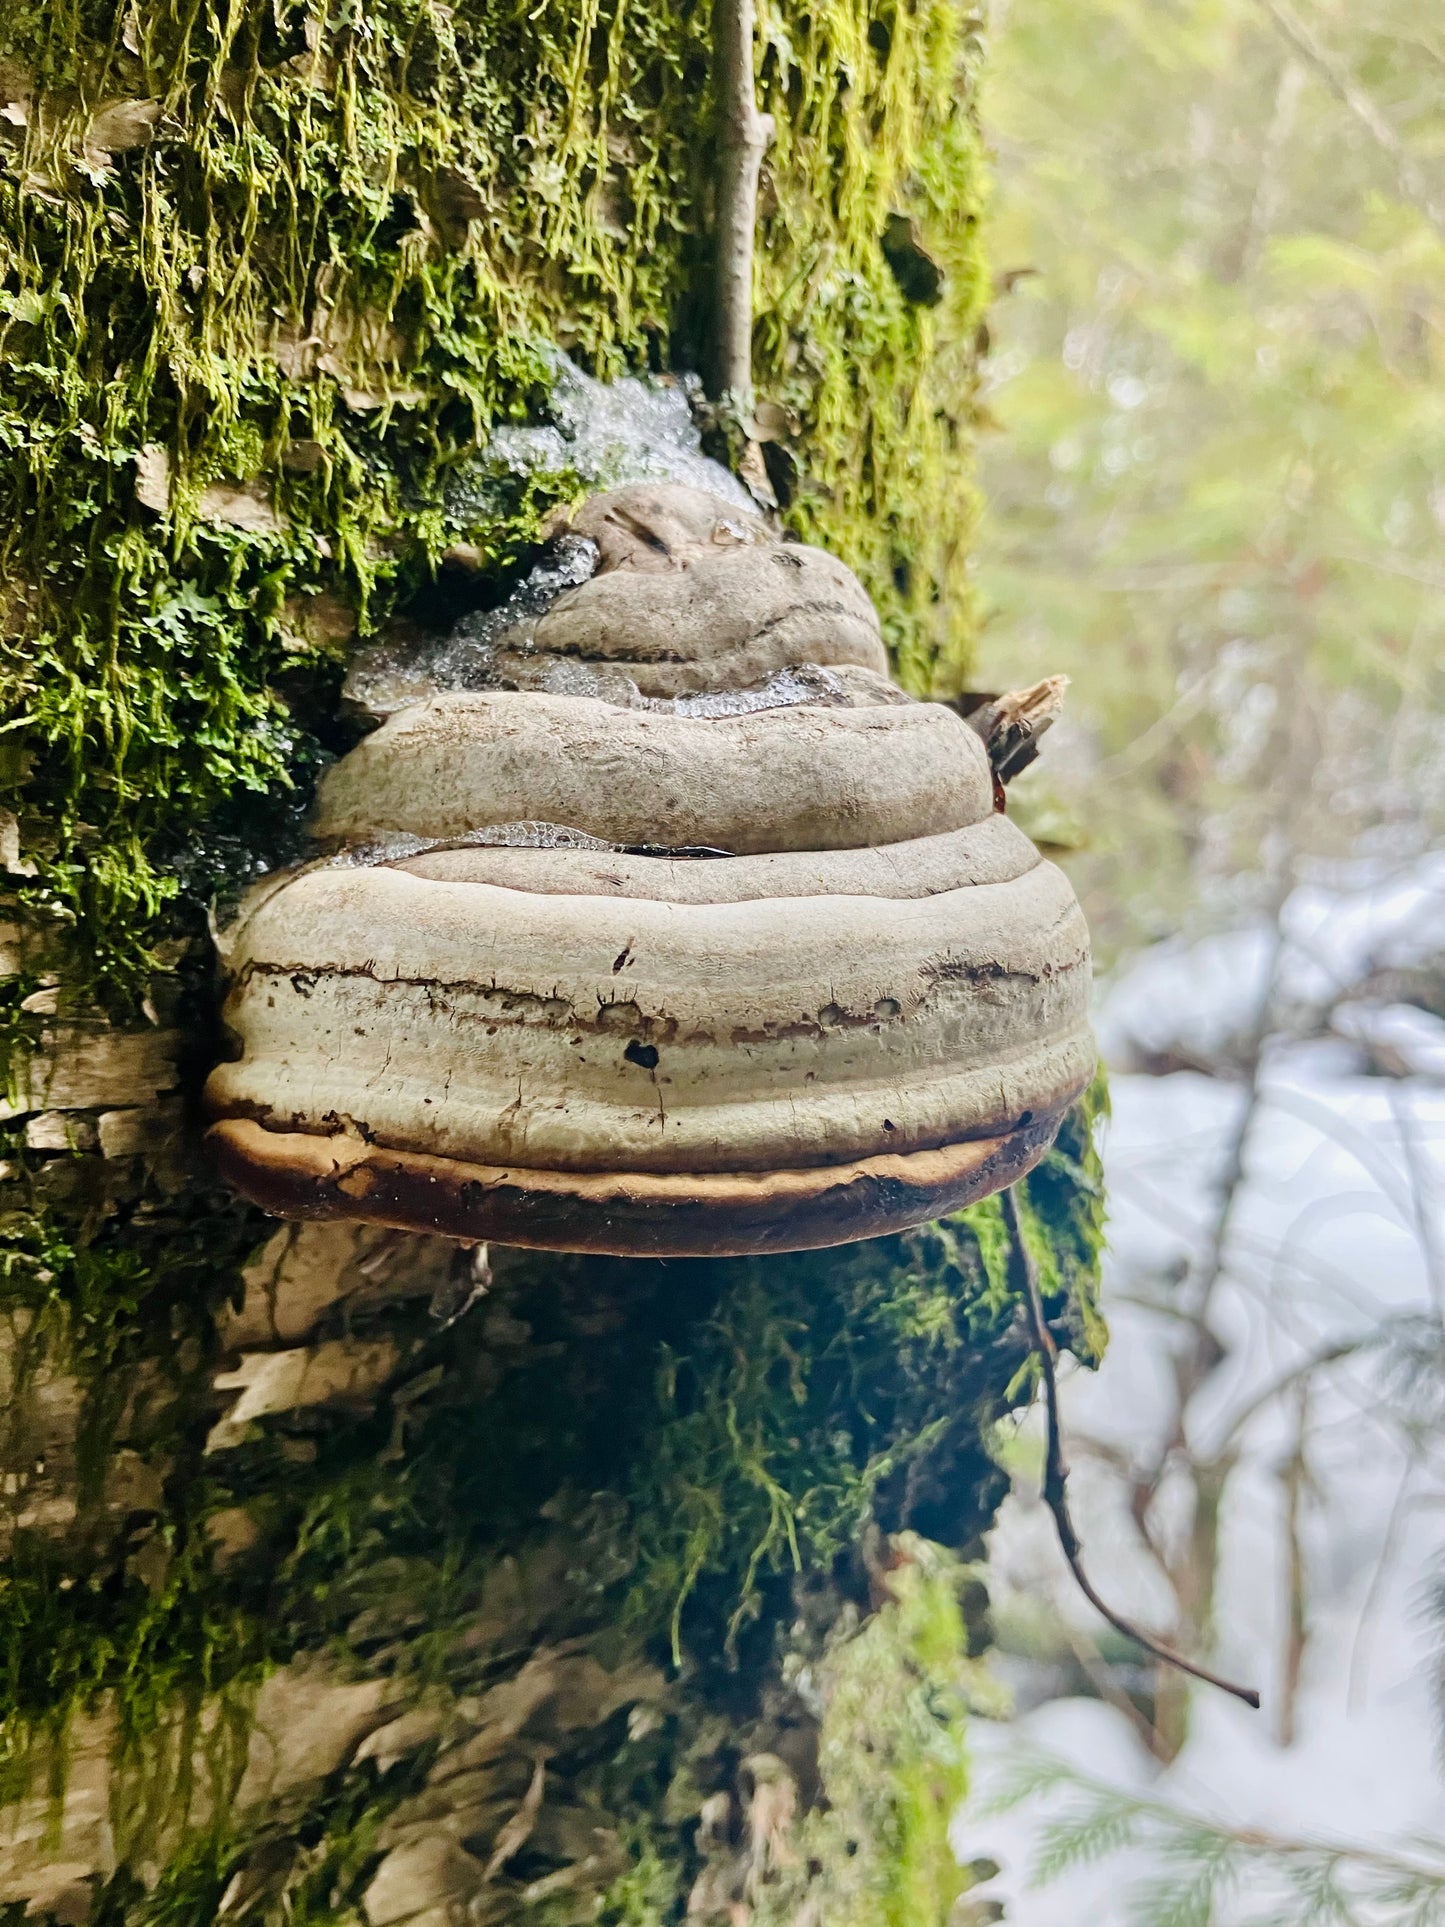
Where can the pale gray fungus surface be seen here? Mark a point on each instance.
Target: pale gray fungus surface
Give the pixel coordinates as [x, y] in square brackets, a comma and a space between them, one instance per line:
[667, 924]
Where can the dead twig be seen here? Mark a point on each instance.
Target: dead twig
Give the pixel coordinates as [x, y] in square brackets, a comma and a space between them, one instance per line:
[744, 136]
[1056, 1471]
[1298, 1485]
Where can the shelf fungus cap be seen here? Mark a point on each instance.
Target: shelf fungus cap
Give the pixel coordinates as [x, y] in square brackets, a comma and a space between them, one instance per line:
[743, 960]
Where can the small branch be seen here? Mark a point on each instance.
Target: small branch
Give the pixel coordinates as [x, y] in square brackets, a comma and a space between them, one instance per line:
[1414, 186]
[744, 135]
[1296, 1482]
[1095, 1669]
[1056, 1471]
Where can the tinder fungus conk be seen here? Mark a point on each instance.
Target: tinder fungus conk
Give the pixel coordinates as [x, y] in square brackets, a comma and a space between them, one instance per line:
[686, 933]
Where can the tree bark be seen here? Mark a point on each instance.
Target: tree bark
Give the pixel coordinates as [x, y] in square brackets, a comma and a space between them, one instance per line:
[357, 1574]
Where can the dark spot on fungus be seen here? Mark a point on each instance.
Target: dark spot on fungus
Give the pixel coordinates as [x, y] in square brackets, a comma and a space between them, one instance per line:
[622, 957]
[643, 1054]
[615, 1017]
[889, 1125]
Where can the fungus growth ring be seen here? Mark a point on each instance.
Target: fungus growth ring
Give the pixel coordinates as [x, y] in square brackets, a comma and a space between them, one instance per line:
[678, 930]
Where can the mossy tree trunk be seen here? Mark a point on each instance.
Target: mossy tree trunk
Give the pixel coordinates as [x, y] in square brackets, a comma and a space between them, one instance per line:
[347, 1575]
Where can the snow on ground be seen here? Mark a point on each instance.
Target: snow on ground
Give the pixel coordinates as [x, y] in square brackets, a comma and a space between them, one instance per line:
[1340, 1223]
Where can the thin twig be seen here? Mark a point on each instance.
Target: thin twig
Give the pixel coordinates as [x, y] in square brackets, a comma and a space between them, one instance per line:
[1095, 1669]
[1414, 185]
[1297, 1485]
[1056, 1471]
[744, 134]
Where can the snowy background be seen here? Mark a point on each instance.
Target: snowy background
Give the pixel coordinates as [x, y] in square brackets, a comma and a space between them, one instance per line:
[1336, 1239]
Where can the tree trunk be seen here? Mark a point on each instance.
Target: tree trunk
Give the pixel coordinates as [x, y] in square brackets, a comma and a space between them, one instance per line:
[353, 1574]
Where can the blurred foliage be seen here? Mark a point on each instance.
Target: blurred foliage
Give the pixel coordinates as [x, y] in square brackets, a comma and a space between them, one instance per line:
[1216, 498]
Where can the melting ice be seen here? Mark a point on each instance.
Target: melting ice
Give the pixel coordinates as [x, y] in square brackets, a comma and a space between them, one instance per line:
[605, 434]
[388, 677]
[609, 433]
[530, 834]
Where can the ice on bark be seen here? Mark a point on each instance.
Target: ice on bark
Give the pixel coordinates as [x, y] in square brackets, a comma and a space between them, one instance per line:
[639, 429]
[388, 677]
[602, 434]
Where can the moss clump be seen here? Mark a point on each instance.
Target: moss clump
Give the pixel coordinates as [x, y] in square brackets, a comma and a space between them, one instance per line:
[709, 1443]
[892, 1763]
[110, 1290]
[840, 1388]
[877, 161]
[269, 278]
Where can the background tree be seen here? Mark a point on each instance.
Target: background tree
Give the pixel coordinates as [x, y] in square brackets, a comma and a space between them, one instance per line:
[1213, 494]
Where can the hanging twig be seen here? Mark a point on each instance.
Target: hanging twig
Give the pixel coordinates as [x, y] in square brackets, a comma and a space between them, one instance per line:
[743, 140]
[1056, 1471]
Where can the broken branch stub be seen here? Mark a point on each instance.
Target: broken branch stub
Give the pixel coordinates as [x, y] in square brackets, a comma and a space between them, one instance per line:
[685, 932]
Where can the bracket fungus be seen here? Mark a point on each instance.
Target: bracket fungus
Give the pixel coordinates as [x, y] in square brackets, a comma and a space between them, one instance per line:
[679, 929]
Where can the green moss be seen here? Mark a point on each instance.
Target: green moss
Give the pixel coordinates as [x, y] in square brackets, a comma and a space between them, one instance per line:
[331, 248]
[779, 1410]
[876, 1851]
[872, 106]
[115, 1292]
[822, 1391]
[320, 1862]
[648, 1894]
[333, 255]
[1062, 1208]
[838, 1388]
